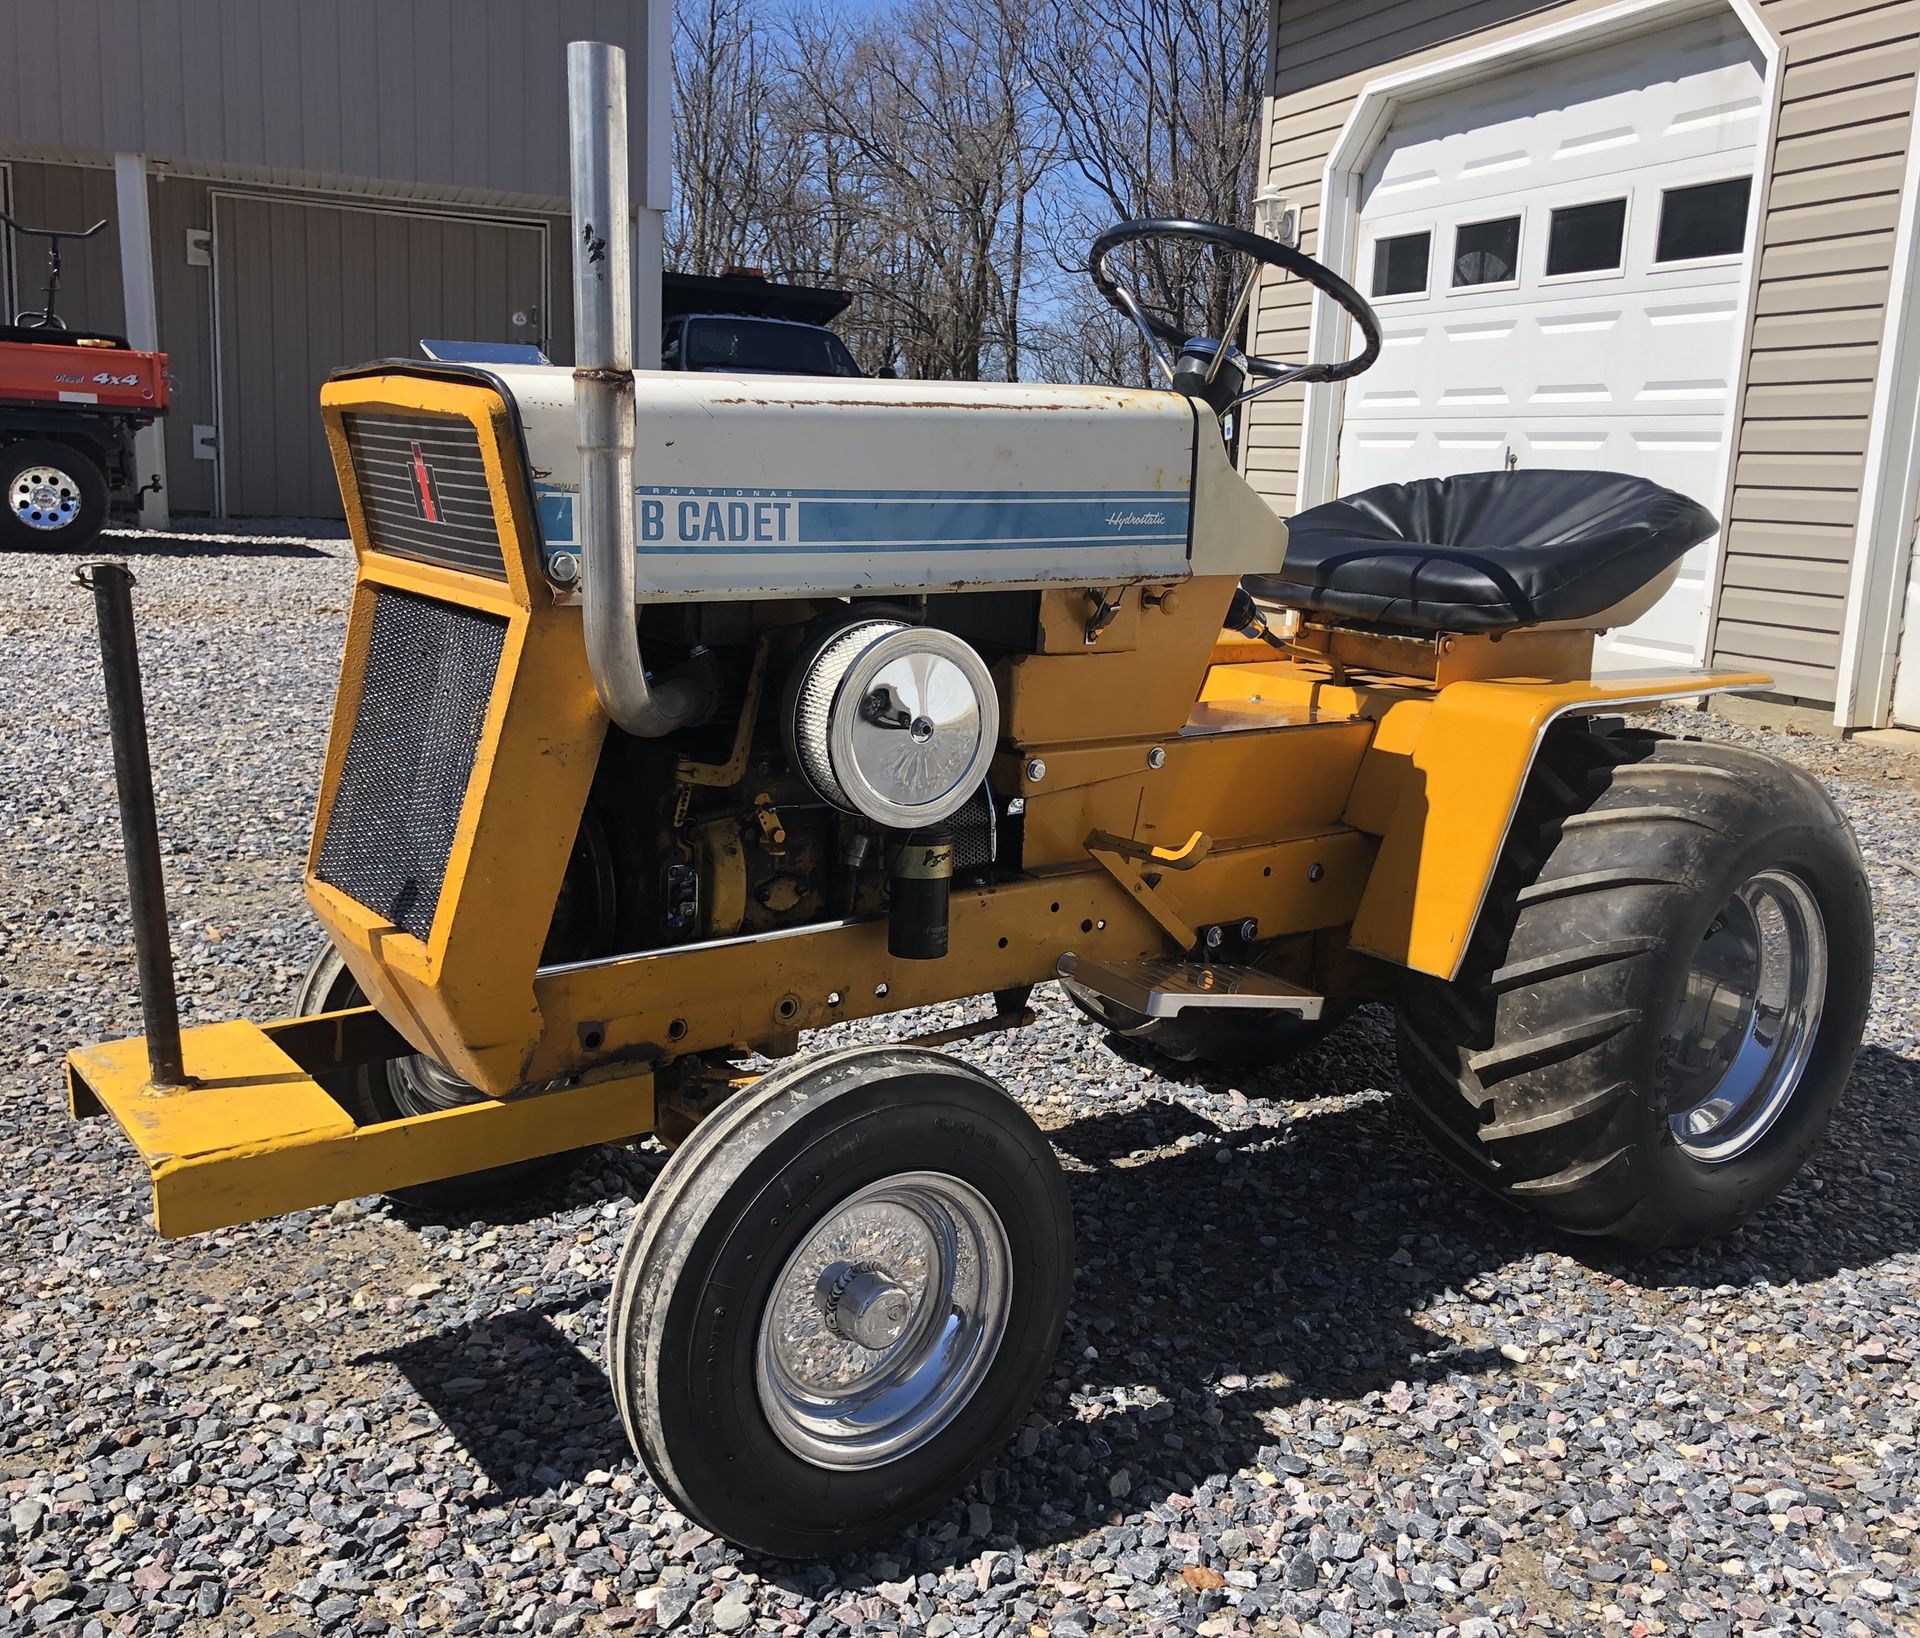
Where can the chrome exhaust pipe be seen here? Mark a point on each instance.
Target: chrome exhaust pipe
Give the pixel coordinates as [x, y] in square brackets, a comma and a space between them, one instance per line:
[603, 403]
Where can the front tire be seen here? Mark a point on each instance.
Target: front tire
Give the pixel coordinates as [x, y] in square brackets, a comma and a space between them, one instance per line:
[1664, 995]
[839, 1298]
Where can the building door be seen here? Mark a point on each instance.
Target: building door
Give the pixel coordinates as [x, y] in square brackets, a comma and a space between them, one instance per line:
[1558, 259]
[302, 288]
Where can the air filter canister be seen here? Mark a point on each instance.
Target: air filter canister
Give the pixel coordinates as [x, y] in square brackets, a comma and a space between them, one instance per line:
[896, 723]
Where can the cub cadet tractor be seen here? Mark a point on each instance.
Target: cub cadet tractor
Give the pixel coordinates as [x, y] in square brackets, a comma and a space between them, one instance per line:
[684, 713]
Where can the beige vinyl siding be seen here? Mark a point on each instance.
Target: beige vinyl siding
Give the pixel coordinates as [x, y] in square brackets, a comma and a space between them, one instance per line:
[1826, 248]
[1827, 241]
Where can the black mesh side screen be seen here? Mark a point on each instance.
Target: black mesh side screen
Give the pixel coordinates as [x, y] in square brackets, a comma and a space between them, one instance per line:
[423, 699]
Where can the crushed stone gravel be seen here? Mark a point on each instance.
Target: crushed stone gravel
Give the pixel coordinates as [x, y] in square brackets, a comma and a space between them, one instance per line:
[1310, 1384]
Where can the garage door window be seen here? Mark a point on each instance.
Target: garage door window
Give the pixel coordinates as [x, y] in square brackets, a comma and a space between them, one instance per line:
[1708, 219]
[1586, 238]
[1400, 264]
[1486, 253]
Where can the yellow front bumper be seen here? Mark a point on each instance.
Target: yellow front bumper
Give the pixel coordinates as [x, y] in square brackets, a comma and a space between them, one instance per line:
[254, 1134]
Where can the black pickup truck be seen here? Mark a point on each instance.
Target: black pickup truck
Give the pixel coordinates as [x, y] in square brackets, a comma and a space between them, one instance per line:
[743, 322]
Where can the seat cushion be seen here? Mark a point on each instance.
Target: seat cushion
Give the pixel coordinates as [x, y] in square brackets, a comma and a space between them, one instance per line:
[1484, 551]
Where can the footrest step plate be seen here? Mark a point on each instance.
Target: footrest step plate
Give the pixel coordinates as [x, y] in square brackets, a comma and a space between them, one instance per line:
[1160, 988]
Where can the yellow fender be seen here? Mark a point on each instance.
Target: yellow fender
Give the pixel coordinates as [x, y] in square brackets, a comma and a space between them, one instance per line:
[1440, 783]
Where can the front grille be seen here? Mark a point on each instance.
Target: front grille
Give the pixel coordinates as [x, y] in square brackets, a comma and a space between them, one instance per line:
[423, 699]
[423, 487]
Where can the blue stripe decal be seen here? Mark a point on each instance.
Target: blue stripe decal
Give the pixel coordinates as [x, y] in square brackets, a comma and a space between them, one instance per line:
[892, 522]
[747, 492]
[779, 522]
[825, 551]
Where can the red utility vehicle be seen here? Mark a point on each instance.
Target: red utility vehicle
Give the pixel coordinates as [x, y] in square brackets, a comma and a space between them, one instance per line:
[70, 403]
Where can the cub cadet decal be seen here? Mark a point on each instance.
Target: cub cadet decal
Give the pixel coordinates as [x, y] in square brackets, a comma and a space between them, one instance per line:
[795, 520]
[704, 522]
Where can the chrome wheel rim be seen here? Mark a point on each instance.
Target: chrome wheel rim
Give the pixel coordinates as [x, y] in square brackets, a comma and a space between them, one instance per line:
[884, 1321]
[1744, 1029]
[422, 1087]
[44, 497]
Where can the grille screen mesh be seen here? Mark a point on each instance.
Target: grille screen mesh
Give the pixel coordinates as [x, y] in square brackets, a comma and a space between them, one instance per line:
[423, 699]
[423, 487]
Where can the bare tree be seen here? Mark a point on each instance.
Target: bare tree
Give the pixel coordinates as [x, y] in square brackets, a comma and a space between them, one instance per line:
[938, 119]
[726, 145]
[1157, 104]
[947, 161]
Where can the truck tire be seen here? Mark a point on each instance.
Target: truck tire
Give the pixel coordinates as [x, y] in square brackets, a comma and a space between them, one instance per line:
[1661, 1003]
[373, 1093]
[53, 496]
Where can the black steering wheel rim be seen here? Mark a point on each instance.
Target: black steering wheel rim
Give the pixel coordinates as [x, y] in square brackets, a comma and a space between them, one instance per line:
[1271, 253]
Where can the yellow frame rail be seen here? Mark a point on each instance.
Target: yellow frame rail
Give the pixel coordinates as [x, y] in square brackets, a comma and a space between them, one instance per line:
[254, 1134]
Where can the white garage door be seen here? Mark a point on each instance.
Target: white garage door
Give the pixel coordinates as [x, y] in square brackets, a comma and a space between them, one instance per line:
[1557, 259]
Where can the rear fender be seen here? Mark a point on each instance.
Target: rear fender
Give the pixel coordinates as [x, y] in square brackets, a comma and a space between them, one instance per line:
[1441, 783]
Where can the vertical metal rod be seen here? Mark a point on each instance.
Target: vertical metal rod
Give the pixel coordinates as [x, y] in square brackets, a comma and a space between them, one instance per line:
[603, 400]
[112, 586]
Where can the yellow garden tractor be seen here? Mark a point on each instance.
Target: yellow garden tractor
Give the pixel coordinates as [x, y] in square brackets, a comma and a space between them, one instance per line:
[682, 714]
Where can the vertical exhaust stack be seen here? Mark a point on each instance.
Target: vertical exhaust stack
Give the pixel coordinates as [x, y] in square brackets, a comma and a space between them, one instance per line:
[603, 401]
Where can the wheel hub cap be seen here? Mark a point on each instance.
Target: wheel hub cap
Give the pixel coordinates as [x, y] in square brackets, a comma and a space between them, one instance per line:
[884, 1321]
[1748, 1014]
[44, 497]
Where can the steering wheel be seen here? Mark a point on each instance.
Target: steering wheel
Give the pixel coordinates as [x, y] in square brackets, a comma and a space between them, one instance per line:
[1166, 340]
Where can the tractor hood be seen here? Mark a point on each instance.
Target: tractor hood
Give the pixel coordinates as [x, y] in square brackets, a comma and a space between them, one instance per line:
[754, 486]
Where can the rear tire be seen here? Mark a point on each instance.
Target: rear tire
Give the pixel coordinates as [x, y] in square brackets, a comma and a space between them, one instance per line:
[373, 1093]
[839, 1298]
[1663, 998]
[53, 496]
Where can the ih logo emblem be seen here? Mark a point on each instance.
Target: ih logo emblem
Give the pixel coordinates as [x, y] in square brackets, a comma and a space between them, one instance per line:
[425, 490]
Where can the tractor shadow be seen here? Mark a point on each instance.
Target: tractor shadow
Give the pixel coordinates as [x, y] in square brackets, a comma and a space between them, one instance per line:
[531, 1410]
[1229, 1271]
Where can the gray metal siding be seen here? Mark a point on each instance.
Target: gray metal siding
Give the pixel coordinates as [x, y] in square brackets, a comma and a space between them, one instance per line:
[1826, 247]
[305, 287]
[64, 196]
[90, 294]
[183, 299]
[465, 95]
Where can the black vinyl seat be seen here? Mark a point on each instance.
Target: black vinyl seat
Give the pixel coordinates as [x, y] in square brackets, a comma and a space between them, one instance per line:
[1484, 551]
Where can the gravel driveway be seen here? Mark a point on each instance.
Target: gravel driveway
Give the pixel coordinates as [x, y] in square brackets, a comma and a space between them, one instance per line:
[1309, 1384]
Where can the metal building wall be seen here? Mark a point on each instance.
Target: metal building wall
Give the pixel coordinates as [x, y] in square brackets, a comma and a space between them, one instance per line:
[445, 110]
[62, 196]
[462, 99]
